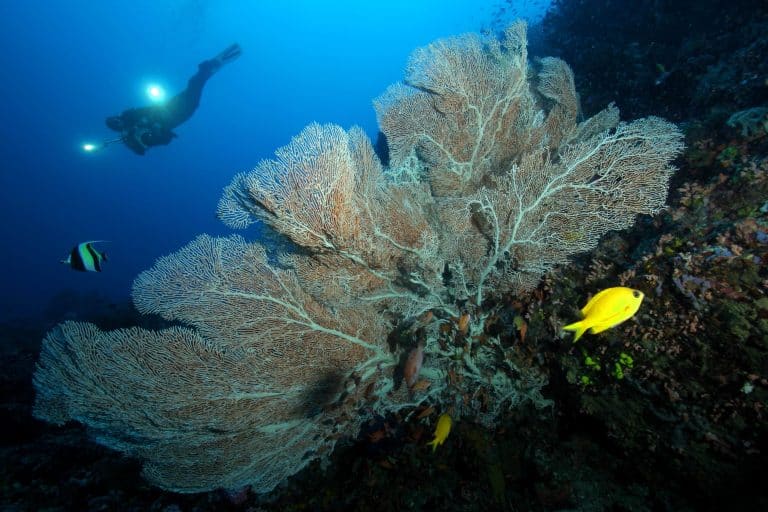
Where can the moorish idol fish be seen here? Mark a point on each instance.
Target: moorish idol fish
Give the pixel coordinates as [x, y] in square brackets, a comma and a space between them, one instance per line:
[85, 258]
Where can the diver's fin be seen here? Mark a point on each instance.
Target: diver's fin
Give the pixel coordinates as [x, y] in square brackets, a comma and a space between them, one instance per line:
[231, 53]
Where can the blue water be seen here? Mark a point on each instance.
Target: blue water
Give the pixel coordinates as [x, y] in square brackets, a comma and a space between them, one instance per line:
[66, 65]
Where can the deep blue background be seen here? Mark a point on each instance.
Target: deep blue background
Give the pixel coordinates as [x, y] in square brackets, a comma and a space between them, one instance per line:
[66, 65]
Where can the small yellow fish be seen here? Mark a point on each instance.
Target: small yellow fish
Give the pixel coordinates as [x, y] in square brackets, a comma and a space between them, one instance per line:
[607, 309]
[442, 430]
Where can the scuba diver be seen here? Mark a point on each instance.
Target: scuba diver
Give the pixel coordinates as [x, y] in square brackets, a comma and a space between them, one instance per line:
[142, 128]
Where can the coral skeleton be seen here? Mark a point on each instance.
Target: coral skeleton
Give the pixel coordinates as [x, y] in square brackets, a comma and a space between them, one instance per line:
[492, 182]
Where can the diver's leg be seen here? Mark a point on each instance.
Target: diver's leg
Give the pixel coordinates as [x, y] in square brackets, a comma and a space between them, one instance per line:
[229, 54]
[183, 105]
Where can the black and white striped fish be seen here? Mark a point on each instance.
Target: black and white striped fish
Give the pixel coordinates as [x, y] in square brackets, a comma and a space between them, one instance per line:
[85, 258]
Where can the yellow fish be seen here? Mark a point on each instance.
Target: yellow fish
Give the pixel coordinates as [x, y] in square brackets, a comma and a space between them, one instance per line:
[607, 309]
[442, 430]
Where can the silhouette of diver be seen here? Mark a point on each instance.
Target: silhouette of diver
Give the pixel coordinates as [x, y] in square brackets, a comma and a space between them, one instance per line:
[142, 128]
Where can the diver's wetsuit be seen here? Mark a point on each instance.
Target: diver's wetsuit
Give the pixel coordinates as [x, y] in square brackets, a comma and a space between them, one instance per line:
[144, 127]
